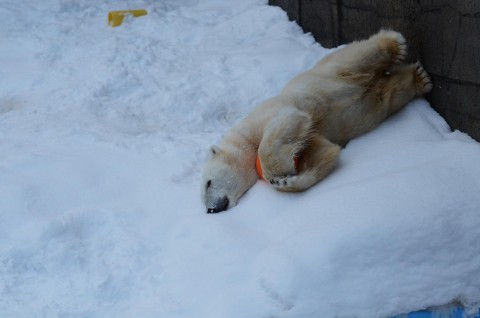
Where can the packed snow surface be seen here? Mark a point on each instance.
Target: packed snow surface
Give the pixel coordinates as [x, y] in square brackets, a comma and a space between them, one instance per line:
[103, 133]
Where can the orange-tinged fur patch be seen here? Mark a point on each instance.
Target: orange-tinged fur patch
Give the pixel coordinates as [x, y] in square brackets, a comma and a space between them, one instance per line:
[259, 166]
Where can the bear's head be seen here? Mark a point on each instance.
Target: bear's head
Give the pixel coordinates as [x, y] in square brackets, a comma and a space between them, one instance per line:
[225, 178]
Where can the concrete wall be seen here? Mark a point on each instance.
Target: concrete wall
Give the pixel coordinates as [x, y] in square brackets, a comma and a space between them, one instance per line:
[443, 34]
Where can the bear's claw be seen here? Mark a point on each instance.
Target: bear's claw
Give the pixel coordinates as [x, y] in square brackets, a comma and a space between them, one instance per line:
[284, 183]
[278, 182]
[422, 79]
[401, 53]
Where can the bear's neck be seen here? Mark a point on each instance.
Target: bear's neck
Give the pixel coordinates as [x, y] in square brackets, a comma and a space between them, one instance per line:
[242, 145]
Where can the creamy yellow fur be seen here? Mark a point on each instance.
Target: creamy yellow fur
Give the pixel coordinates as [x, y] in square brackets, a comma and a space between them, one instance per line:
[348, 93]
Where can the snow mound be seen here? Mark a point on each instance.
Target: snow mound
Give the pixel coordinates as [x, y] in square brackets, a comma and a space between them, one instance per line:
[103, 133]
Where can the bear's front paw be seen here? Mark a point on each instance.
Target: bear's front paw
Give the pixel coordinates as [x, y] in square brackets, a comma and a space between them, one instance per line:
[285, 183]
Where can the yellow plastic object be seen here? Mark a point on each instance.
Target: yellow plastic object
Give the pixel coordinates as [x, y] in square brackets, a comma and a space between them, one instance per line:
[115, 18]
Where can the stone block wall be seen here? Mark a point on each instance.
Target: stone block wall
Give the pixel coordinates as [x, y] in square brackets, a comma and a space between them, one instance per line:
[443, 34]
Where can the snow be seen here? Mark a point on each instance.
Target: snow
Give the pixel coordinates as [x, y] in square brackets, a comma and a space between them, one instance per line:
[103, 133]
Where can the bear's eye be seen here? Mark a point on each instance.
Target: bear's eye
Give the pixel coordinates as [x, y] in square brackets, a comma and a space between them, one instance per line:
[209, 183]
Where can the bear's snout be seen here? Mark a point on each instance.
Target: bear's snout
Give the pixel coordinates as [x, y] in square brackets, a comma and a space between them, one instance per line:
[219, 205]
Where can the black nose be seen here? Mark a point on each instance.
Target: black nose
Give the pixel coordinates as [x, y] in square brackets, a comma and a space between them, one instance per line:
[219, 206]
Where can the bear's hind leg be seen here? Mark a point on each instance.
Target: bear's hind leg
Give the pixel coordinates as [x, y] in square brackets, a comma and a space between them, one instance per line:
[376, 54]
[316, 161]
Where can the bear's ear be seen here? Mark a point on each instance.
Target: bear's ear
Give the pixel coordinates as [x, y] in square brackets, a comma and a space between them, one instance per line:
[215, 150]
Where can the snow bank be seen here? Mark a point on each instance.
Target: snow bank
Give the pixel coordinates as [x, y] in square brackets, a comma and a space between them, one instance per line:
[103, 132]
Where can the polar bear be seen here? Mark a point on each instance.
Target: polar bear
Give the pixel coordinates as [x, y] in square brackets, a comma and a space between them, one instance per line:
[348, 93]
